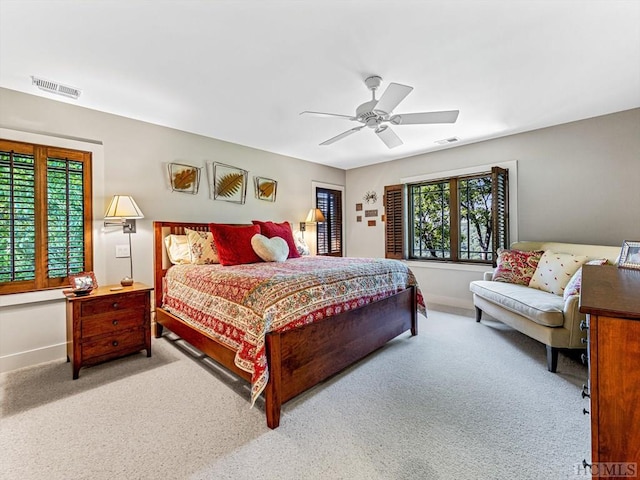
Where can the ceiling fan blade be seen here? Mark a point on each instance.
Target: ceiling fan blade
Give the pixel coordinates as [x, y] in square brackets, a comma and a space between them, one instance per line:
[342, 135]
[322, 114]
[392, 96]
[449, 116]
[388, 136]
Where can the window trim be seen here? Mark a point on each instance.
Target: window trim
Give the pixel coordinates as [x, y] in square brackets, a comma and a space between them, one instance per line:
[42, 156]
[331, 186]
[511, 165]
[97, 166]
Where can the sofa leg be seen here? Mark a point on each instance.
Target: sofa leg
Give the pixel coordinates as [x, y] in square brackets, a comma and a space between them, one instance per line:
[552, 358]
[478, 314]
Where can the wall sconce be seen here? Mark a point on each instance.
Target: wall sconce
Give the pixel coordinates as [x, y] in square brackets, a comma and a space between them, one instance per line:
[122, 211]
[314, 216]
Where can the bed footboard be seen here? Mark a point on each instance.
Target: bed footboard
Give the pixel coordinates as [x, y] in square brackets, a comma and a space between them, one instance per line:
[303, 357]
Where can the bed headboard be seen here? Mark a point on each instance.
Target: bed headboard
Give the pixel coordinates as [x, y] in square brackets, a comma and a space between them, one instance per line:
[160, 258]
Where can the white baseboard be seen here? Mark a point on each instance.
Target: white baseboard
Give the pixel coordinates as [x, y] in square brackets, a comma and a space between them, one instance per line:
[33, 357]
[465, 303]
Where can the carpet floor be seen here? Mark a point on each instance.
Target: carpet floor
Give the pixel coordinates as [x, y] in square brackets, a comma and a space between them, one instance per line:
[460, 401]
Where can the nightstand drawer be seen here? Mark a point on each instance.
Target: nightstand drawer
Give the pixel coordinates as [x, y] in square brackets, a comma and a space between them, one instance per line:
[111, 323]
[113, 344]
[113, 304]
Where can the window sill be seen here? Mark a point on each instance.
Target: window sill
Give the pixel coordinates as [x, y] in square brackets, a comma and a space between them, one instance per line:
[13, 299]
[466, 267]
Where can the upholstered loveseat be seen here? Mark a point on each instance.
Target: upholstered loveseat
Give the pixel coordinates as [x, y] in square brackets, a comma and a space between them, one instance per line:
[541, 308]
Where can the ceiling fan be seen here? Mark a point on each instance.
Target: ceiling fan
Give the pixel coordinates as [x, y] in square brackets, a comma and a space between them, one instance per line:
[377, 114]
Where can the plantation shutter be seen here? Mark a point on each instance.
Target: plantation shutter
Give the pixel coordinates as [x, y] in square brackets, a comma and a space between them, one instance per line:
[329, 232]
[393, 208]
[65, 219]
[17, 218]
[500, 210]
[45, 216]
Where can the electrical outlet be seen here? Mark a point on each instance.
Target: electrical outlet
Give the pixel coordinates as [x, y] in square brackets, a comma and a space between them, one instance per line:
[122, 251]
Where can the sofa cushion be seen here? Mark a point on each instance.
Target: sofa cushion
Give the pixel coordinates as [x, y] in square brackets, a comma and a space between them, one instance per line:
[540, 307]
[555, 270]
[516, 266]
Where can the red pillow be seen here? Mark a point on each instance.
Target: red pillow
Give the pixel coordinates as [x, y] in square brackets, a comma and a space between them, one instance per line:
[282, 230]
[234, 243]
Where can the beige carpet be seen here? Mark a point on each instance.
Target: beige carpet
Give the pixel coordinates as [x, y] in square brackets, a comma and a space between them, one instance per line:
[460, 401]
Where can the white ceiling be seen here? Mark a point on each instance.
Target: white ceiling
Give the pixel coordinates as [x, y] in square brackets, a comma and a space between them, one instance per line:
[243, 70]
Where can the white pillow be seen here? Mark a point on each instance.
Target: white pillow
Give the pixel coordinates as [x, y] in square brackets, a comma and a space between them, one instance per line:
[273, 249]
[554, 271]
[202, 247]
[177, 249]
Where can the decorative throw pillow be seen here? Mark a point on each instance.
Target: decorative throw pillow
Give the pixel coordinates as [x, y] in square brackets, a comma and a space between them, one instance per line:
[301, 244]
[516, 266]
[555, 270]
[234, 243]
[573, 287]
[282, 230]
[202, 247]
[273, 249]
[177, 247]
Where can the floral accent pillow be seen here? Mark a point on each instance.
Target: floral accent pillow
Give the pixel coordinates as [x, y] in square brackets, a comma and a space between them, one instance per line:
[555, 270]
[202, 247]
[516, 266]
[573, 287]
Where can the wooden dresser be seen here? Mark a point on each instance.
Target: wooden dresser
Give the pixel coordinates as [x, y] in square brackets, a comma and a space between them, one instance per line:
[108, 324]
[610, 297]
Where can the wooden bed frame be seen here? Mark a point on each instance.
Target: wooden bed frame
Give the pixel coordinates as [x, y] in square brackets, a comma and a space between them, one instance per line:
[300, 358]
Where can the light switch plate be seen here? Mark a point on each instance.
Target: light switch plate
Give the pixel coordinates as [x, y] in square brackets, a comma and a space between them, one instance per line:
[122, 251]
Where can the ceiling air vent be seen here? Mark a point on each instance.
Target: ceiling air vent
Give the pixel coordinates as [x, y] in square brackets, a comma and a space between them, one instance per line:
[55, 87]
[447, 141]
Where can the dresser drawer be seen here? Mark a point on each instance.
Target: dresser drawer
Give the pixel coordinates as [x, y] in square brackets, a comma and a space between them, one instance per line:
[112, 322]
[114, 345]
[107, 304]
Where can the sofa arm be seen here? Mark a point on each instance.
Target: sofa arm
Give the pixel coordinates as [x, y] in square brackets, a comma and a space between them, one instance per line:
[488, 276]
[572, 319]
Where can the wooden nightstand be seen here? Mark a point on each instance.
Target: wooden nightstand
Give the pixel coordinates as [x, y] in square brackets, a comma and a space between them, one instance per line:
[108, 324]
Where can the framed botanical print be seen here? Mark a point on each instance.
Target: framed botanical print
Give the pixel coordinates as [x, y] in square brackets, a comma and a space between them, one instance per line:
[265, 188]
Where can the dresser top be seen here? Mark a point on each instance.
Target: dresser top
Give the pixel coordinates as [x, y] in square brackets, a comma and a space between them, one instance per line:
[108, 290]
[610, 291]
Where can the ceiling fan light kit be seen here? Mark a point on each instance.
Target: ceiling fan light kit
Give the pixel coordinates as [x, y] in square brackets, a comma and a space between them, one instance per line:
[378, 114]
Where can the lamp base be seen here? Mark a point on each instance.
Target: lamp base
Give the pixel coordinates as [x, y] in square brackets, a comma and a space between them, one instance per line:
[126, 282]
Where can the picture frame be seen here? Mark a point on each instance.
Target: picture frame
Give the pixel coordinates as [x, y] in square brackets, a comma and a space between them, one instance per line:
[228, 183]
[630, 255]
[184, 178]
[265, 188]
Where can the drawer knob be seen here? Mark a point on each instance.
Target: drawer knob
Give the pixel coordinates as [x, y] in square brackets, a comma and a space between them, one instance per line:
[585, 464]
[583, 325]
[115, 322]
[584, 392]
[584, 340]
[115, 305]
[114, 343]
[584, 358]
[585, 411]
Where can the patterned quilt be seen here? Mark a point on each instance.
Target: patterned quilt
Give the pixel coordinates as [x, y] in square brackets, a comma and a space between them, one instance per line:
[238, 305]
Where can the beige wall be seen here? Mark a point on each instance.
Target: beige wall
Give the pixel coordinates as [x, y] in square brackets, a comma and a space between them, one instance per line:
[135, 155]
[577, 183]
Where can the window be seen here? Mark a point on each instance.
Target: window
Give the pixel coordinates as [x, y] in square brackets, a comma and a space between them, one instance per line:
[45, 216]
[329, 234]
[457, 219]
